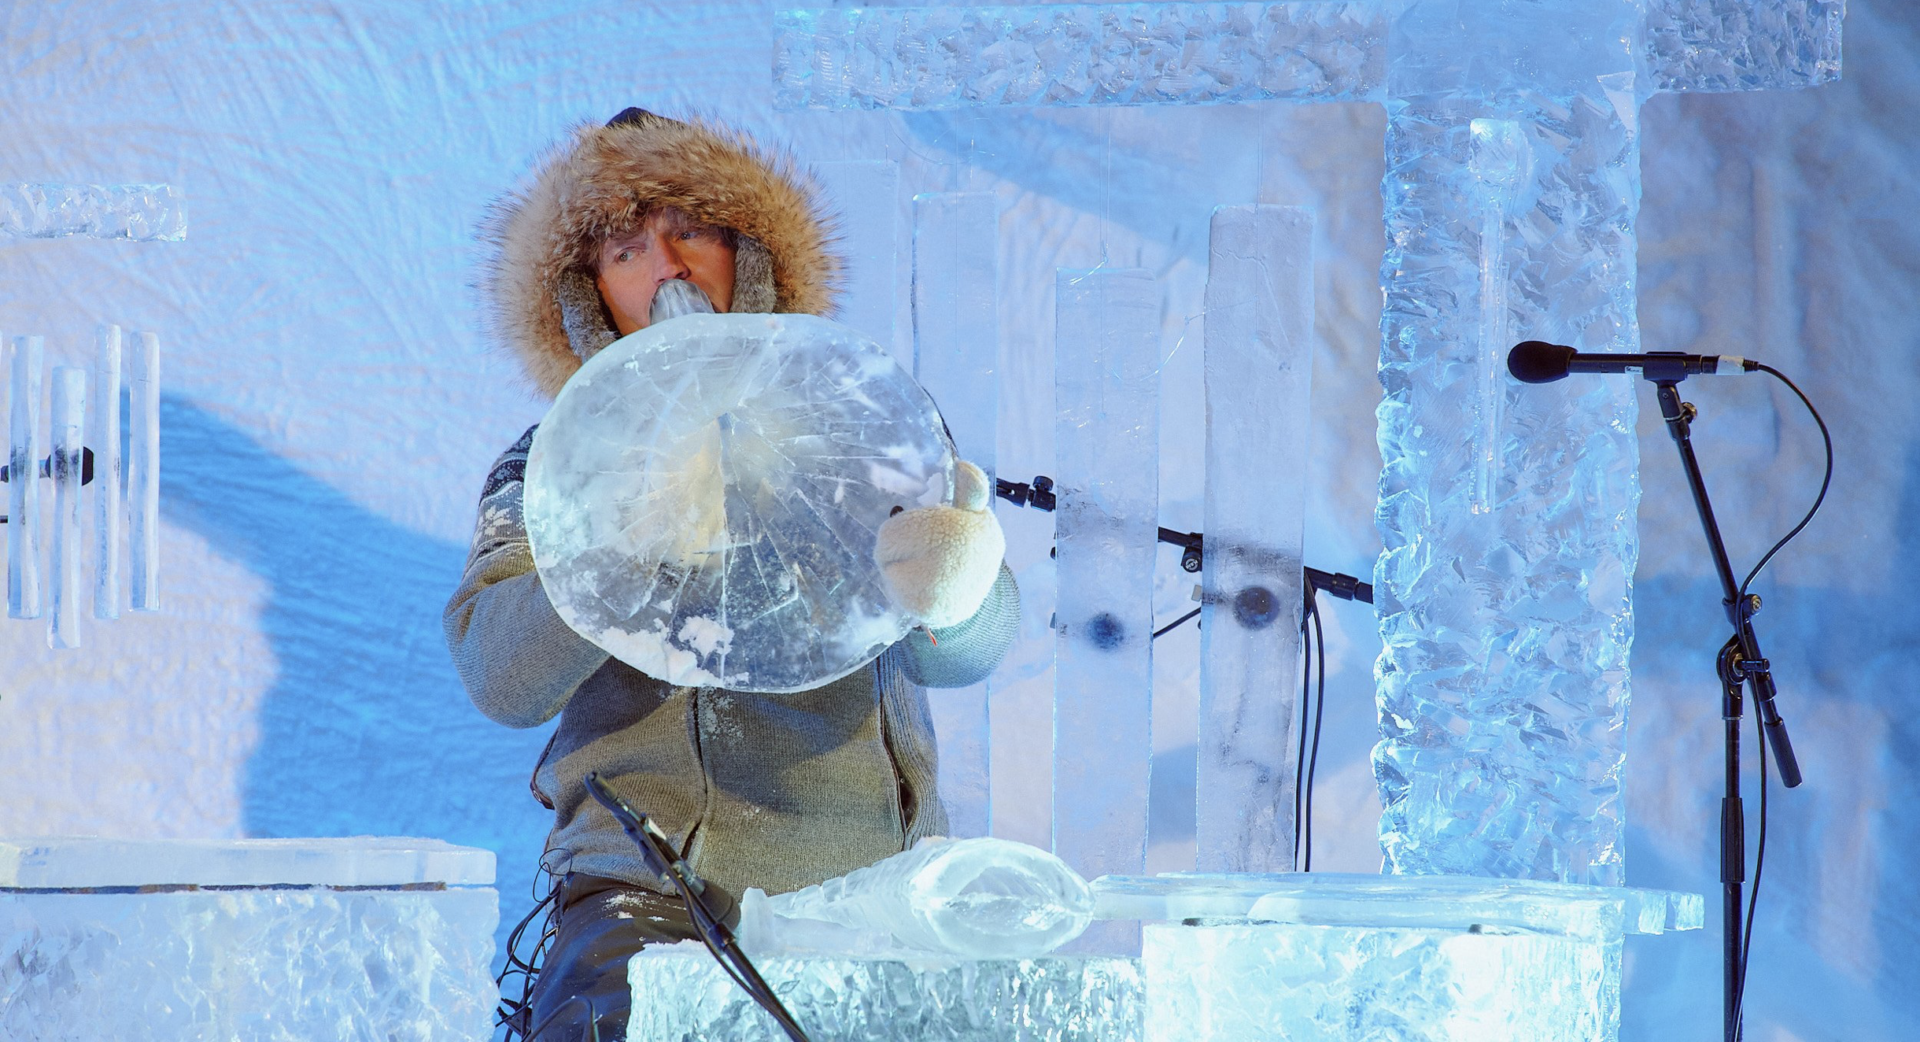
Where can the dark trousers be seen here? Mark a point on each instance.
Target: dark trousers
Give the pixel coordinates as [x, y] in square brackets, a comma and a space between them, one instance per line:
[582, 986]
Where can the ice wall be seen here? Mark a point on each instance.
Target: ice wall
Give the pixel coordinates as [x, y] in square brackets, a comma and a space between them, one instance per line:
[330, 415]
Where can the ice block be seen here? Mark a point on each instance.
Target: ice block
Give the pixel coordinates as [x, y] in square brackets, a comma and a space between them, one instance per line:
[65, 462]
[23, 476]
[107, 475]
[143, 473]
[142, 212]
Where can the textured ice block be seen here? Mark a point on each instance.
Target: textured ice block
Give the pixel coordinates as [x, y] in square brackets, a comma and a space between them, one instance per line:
[703, 496]
[1259, 372]
[148, 213]
[298, 939]
[65, 461]
[681, 995]
[1729, 45]
[1077, 54]
[981, 898]
[956, 353]
[1107, 444]
[23, 470]
[143, 473]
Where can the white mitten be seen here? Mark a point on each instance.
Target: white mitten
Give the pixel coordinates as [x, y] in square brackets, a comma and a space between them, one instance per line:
[940, 562]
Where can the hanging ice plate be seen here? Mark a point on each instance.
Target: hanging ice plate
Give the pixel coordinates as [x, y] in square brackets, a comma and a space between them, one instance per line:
[703, 496]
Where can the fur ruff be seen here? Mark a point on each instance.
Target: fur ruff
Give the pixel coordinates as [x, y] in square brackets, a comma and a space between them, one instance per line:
[606, 180]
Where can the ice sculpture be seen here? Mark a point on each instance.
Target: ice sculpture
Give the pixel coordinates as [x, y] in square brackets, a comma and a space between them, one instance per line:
[1259, 370]
[682, 994]
[702, 498]
[23, 476]
[956, 354]
[146, 213]
[1503, 592]
[1107, 445]
[143, 474]
[289, 940]
[105, 439]
[981, 898]
[65, 463]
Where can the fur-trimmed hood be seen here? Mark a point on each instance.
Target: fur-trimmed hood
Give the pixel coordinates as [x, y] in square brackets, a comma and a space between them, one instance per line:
[541, 299]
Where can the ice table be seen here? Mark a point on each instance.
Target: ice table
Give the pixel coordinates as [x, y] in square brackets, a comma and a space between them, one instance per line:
[262, 939]
[1335, 957]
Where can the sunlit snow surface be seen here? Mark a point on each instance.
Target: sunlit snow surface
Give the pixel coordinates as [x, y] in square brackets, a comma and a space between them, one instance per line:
[702, 498]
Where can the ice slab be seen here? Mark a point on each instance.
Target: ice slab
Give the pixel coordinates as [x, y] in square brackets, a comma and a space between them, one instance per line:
[956, 357]
[1259, 377]
[682, 995]
[142, 212]
[25, 360]
[143, 473]
[280, 965]
[91, 862]
[1107, 444]
[703, 496]
[1732, 45]
[1461, 902]
[104, 438]
[982, 898]
[66, 464]
[1077, 54]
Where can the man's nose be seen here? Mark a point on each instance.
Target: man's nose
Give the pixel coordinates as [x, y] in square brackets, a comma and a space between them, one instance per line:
[673, 264]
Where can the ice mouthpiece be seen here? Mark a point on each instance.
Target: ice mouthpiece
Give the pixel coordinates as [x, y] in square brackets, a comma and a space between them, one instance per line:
[982, 898]
[677, 297]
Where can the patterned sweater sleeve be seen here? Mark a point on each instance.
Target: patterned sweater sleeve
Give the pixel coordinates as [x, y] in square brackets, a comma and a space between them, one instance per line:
[520, 662]
[965, 653]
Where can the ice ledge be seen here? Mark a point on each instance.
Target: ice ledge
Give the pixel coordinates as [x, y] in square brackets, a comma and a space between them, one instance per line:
[90, 862]
[1332, 899]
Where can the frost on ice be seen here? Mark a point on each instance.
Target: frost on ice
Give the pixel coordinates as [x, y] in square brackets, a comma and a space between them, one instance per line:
[702, 499]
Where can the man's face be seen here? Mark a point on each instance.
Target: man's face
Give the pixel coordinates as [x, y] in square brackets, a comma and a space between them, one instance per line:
[670, 245]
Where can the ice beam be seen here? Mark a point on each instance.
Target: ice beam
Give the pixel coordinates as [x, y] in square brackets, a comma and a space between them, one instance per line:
[1107, 404]
[143, 473]
[106, 473]
[145, 213]
[66, 461]
[1259, 370]
[23, 476]
[956, 341]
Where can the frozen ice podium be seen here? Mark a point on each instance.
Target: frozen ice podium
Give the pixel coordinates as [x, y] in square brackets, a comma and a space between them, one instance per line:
[266, 940]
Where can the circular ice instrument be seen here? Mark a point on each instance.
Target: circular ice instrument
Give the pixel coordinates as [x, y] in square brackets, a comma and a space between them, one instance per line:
[703, 496]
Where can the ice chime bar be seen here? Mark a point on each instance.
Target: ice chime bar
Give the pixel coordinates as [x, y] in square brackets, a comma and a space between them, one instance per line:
[1259, 372]
[862, 192]
[143, 473]
[1107, 436]
[956, 349]
[105, 426]
[69, 421]
[23, 478]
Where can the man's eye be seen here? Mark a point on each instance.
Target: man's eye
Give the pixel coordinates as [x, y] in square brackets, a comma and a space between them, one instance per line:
[624, 255]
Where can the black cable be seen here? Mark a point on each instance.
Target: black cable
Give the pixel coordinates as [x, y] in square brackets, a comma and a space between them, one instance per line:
[1826, 481]
[1319, 716]
[1753, 896]
[1300, 747]
[1171, 625]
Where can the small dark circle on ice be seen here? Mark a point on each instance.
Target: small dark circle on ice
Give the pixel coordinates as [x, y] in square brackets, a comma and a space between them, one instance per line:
[1256, 607]
[1106, 632]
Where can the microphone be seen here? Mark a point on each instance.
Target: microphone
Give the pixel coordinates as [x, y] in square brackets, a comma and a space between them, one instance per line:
[1538, 362]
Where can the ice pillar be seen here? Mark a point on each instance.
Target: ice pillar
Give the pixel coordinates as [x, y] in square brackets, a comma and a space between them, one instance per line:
[143, 474]
[23, 477]
[956, 346]
[106, 473]
[1259, 369]
[1107, 433]
[66, 463]
[862, 194]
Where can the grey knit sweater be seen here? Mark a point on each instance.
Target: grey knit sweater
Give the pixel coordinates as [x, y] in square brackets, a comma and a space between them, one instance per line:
[770, 791]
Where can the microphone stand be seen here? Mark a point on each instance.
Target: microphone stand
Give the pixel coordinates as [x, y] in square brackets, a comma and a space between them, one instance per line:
[1740, 664]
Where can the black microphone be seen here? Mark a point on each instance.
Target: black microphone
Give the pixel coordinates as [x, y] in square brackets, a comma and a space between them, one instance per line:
[1538, 362]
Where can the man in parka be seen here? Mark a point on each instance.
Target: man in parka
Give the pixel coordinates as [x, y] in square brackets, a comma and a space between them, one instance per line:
[770, 791]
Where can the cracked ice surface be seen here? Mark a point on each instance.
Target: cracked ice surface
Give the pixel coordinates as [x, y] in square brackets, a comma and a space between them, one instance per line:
[681, 995]
[703, 496]
[1262, 981]
[267, 965]
[1077, 54]
[145, 213]
[1724, 45]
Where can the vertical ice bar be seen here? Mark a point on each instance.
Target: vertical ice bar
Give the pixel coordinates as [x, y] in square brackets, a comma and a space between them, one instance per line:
[23, 477]
[862, 194]
[105, 426]
[1259, 371]
[69, 421]
[956, 348]
[143, 473]
[1499, 158]
[1107, 437]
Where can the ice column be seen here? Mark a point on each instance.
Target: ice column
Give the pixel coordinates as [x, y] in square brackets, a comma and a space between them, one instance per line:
[1259, 369]
[69, 420]
[145, 213]
[956, 347]
[862, 194]
[23, 478]
[106, 473]
[143, 474]
[1107, 402]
